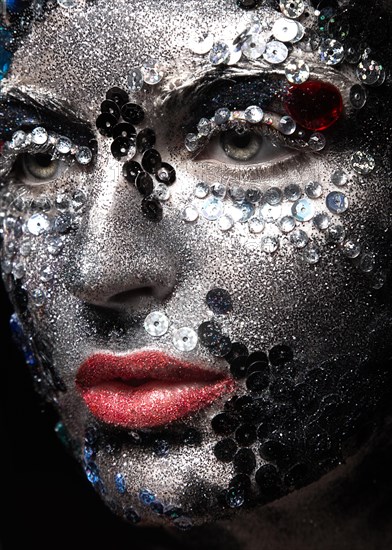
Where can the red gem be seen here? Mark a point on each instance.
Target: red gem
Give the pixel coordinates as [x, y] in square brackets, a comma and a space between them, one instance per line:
[314, 105]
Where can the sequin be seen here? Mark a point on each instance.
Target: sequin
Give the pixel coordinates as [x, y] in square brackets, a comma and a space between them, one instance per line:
[254, 46]
[39, 136]
[151, 71]
[300, 33]
[219, 190]
[331, 51]
[379, 280]
[131, 170]
[209, 333]
[222, 116]
[146, 497]
[191, 142]
[287, 125]
[285, 30]
[105, 124]
[237, 193]
[269, 244]
[111, 107]
[190, 213]
[212, 209]
[313, 189]
[204, 127]
[339, 178]
[63, 145]
[369, 72]
[292, 192]
[358, 96]
[55, 245]
[201, 45]
[225, 222]
[275, 52]
[135, 80]
[161, 192]
[351, 249]
[219, 301]
[297, 71]
[202, 190]
[156, 323]
[322, 221]
[256, 225]
[367, 263]
[337, 202]
[317, 141]
[38, 224]
[303, 210]
[145, 140]
[292, 8]
[152, 209]
[336, 234]
[270, 213]
[18, 140]
[299, 238]
[125, 130]
[151, 161]
[84, 155]
[221, 347]
[117, 95]
[287, 224]
[248, 4]
[120, 483]
[273, 196]
[120, 147]
[18, 270]
[363, 163]
[219, 54]
[132, 113]
[235, 497]
[184, 339]
[235, 55]
[254, 114]
[311, 254]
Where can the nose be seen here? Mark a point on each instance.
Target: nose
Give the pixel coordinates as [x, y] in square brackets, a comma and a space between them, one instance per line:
[119, 258]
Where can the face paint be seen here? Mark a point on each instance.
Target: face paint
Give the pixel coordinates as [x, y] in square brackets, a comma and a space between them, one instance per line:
[197, 244]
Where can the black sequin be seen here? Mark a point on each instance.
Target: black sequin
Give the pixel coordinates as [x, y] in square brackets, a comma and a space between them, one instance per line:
[248, 4]
[257, 381]
[225, 450]
[257, 366]
[279, 355]
[131, 170]
[152, 209]
[117, 95]
[105, 124]
[244, 461]
[274, 450]
[224, 423]
[238, 367]
[242, 481]
[133, 113]
[245, 435]
[209, 333]
[192, 437]
[125, 130]
[219, 301]
[111, 107]
[144, 184]
[151, 161]
[268, 479]
[257, 356]
[250, 410]
[166, 174]
[237, 350]
[145, 140]
[221, 347]
[120, 147]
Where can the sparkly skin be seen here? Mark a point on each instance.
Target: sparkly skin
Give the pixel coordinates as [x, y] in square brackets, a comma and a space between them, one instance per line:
[117, 266]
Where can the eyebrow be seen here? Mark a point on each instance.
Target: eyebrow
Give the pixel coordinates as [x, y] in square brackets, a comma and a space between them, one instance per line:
[20, 110]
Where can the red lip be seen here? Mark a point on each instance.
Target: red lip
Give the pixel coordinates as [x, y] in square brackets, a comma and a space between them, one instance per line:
[147, 389]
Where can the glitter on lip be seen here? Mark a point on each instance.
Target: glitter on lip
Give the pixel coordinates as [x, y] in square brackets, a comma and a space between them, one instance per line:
[147, 389]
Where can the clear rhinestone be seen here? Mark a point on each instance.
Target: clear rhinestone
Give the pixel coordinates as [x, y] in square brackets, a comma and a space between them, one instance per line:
[336, 234]
[270, 213]
[18, 139]
[62, 201]
[135, 80]
[253, 195]
[64, 145]
[84, 155]
[18, 270]
[219, 54]
[184, 339]
[152, 72]
[292, 192]
[201, 190]
[46, 274]
[191, 142]
[190, 213]
[256, 225]
[285, 30]
[287, 125]
[337, 202]
[162, 192]
[369, 72]
[225, 222]
[317, 141]
[247, 210]
[331, 51]
[254, 114]
[55, 245]
[311, 254]
[38, 224]
[303, 210]
[212, 209]
[313, 189]
[358, 96]
[300, 33]
[339, 178]
[237, 193]
[297, 71]
[269, 244]
[222, 116]
[219, 190]
[202, 44]
[299, 238]
[38, 297]
[273, 196]
[79, 199]
[39, 136]
[204, 127]
[254, 46]
[363, 163]
[156, 323]
[287, 224]
[292, 8]
[351, 249]
[367, 262]
[322, 221]
[25, 248]
[275, 52]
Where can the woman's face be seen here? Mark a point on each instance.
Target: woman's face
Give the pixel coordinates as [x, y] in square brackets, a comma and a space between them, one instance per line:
[278, 243]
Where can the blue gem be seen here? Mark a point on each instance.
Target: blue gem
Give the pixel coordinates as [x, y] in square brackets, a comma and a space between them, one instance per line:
[120, 483]
[156, 507]
[15, 6]
[161, 448]
[146, 496]
[21, 340]
[5, 62]
[337, 202]
[235, 497]
[88, 453]
[131, 515]
[92, 473]
[90, 435]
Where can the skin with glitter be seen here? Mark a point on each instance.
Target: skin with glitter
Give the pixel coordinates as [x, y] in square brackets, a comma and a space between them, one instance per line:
[221, 309]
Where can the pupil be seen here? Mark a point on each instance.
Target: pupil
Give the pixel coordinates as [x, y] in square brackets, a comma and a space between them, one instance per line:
[42, 159]
[241, 140]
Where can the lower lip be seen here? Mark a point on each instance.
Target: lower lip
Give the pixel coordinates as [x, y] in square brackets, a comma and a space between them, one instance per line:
[156, 403]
